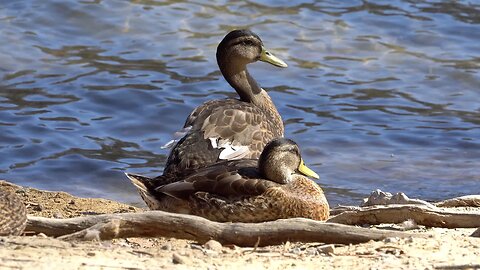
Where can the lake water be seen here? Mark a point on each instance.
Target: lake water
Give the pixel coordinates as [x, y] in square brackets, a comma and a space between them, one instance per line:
[378, 94]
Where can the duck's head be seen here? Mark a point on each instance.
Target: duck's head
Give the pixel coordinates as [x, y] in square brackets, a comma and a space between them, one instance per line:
[280, 161]
[241, 47]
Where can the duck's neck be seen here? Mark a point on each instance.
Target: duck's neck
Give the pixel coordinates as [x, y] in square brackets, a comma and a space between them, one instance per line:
[249, 91]
[245, 85]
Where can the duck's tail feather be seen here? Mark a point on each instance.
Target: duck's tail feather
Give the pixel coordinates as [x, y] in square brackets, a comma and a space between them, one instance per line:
[146, 187]
[143, 183]
[176, 137]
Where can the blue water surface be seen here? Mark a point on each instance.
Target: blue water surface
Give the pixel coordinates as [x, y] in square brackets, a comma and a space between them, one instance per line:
[378, 94]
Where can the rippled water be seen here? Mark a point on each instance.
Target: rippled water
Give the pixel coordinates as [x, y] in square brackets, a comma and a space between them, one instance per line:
[379, 94]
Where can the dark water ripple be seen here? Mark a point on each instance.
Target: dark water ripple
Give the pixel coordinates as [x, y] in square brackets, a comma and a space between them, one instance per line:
[379, 94]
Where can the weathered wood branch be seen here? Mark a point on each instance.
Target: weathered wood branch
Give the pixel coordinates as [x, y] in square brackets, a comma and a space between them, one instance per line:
[343, 208]
[379, 197]
[163, 224]
[422, 215]
[464, 201]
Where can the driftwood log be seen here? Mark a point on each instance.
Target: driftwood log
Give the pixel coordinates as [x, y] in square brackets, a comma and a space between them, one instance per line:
[163, 224]
[420, 214]
[380, 207]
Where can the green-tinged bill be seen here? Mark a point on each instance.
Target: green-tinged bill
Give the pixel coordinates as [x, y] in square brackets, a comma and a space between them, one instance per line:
[266, 56]
[307, 171]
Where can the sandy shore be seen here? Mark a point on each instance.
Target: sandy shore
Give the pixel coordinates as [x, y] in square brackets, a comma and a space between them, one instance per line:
[446, 249]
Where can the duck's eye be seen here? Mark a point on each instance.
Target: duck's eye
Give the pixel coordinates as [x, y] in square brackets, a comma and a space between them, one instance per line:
[248, 43]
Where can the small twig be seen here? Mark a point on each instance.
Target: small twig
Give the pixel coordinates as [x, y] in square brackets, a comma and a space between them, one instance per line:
[256, 245]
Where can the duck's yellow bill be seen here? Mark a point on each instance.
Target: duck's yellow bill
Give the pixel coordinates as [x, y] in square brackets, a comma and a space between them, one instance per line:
[307, 171]
[266, 56]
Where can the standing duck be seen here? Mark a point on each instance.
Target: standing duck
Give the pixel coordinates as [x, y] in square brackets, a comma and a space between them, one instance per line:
[273, 187]
[230, 129]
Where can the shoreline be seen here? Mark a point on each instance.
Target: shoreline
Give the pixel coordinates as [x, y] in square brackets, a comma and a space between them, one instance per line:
[445, 249]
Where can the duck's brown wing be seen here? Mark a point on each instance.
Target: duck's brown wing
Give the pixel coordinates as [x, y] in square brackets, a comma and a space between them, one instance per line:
[223, 130]
[232, 179]
[205, 109]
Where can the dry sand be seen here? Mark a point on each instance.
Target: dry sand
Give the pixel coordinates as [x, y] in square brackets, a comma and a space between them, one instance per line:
[446, 249]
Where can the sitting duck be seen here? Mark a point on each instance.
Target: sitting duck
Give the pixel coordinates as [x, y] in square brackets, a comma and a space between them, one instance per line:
[276, 186]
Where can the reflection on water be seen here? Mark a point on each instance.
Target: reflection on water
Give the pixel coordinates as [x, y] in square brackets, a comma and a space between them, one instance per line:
[379, 94]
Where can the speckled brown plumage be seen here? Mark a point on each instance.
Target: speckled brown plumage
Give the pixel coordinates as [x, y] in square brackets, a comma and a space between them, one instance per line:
[13, 214]
[250, 121]
[232, 120]
[237, 191]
